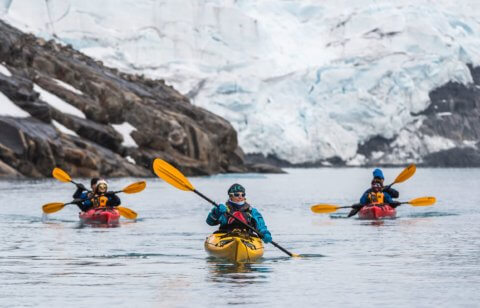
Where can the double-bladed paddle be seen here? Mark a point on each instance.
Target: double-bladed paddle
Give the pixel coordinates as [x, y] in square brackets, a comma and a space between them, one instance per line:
[175, 178]
[329, 208]
[63, 176]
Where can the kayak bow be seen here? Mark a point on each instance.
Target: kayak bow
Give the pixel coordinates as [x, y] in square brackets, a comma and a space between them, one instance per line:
[235, 247]
[377, 212]
[100, 217]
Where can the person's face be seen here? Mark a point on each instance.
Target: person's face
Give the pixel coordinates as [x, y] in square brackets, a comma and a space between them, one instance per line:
[237, 197]
[102, 188]
[376, 187]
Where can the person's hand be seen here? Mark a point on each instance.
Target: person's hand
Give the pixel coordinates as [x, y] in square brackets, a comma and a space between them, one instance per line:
[266, 236]
[394, 204]
[81, 186]
[220, 210]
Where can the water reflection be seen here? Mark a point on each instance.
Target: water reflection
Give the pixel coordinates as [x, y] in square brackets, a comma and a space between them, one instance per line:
[377, 223]
[240, 273]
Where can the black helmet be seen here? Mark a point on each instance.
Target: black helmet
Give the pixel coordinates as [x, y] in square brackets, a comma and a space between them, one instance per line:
[94, 181]
[236, 188]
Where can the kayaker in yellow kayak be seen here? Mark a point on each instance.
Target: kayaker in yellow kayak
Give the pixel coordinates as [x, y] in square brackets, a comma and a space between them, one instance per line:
[98, 197]
[238, 207]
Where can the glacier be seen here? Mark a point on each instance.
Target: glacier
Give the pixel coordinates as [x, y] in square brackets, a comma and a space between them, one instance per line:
[302, 80]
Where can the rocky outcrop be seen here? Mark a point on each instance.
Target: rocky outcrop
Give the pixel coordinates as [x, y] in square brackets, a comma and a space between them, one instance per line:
[165, 124]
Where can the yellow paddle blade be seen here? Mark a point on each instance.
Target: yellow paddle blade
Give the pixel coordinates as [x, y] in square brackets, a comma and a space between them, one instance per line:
[53, 207]
[171, 175]
[423, 201]
[324, 208]
[135, 187]
[61, 175]
[406, 174]
[126, 212]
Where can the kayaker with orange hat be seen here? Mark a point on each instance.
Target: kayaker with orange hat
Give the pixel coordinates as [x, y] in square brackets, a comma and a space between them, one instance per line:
[238, 207]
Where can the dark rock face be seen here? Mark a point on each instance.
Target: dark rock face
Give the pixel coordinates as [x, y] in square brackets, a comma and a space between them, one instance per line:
[166, 124]
[457, 157]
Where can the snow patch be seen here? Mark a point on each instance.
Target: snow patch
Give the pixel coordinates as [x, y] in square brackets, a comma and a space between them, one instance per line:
[470, 143]
[377, 154]
[58, 103]
[125, 129]
[64, 129]
[5, 71]
[357, 160]
[8, 108]
[131, 160]
[410, 145]
[68, 87]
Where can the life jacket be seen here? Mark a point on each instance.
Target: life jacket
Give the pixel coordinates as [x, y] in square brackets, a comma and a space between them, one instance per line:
[243, 214]
[375, 197]
[99, 201]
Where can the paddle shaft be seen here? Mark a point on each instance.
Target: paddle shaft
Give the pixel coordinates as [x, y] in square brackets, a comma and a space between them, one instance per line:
[246, 225]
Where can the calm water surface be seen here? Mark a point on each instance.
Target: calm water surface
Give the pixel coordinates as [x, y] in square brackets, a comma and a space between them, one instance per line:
[428, 256]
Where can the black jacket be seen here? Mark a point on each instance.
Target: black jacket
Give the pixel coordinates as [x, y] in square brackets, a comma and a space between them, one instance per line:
[392, 192]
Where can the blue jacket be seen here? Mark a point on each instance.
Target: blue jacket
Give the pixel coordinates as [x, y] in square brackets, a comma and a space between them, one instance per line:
[214, 218]
[386, 197]
[82, 194]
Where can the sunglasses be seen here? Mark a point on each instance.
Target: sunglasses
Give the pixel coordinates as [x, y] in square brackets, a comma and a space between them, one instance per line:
[237, 195]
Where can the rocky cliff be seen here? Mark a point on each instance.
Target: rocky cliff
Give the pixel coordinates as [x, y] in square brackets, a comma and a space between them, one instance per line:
[92, 120]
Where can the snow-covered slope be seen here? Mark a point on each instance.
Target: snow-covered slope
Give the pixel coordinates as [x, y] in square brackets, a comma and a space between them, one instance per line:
[303, 80]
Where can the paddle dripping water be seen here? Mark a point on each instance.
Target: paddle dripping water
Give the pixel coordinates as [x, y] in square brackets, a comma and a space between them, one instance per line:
[427, 256]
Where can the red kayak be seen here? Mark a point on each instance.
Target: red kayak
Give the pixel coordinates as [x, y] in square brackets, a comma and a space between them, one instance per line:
[101, 217]
[377, 212]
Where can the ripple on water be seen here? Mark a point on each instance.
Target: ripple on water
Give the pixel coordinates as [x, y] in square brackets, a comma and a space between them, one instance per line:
[431, 214]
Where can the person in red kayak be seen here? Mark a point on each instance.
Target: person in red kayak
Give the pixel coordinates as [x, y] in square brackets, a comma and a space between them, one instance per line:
[385, 194]
[238, 207]
[378, 175]
[99, 196]
[83, 193]
[376, 195]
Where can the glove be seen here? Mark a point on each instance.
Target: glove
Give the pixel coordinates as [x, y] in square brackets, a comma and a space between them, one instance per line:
[219, 211]
[266, 236]
[81, 186]
[394, 204]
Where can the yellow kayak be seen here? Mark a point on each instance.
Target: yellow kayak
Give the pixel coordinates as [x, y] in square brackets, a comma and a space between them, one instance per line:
[234, 246]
